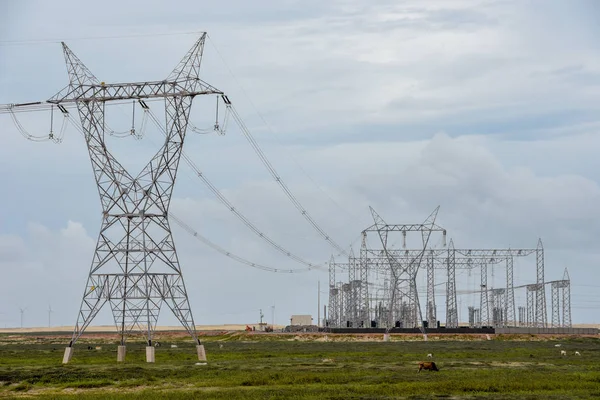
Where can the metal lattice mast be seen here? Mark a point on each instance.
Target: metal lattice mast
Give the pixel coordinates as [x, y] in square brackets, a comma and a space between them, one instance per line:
[341, 300]
[540, 294]
[483, 300]
[403, 276]
[431, 309]
[363, 299]
[352, 295]
[347, 309]
[531, 307]
[451, 310]
[498, 306]
[510, 294]
[566, 300]
[135, 267]
[333, 296]
[555, 305]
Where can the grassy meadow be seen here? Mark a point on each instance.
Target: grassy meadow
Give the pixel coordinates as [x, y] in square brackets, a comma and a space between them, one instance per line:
[277, 366]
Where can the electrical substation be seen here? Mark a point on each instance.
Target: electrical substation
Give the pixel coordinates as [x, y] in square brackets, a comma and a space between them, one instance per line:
[378, 289]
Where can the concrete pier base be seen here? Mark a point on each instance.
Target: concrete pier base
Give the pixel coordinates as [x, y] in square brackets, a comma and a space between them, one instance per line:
[150, 354]
[386, 337]
[201, 352]
[68, 355]
[121, 351]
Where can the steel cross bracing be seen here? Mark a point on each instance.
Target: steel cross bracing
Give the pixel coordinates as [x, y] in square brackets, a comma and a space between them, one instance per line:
[403, 275]
[431, 309]
[451, 307]
[509, 309]
[135, 267]
[484, 305]
[363, 295]
[390, 273]
[333, 319]
[561, 302]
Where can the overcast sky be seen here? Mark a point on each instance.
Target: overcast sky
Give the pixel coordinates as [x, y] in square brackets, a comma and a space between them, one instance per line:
[490, 109]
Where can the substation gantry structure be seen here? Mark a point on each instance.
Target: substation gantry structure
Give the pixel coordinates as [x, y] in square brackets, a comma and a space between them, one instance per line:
[367, 299]
[135, 267]
[349, 303]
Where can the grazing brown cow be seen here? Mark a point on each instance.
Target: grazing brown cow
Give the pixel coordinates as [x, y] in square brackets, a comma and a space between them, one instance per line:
[428, 365]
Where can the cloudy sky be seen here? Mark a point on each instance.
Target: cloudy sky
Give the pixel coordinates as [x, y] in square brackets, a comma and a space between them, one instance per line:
[490, 109]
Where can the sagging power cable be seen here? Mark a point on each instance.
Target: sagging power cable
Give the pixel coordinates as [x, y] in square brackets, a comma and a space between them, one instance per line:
[209, 243]
[263, 158]
[50, 136]
[235, 257]
[230, 206]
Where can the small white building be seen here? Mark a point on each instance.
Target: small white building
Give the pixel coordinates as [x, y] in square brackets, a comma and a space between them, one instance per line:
[301, 320]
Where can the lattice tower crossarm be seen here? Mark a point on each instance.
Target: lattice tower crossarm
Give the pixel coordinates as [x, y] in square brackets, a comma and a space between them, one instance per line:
[135, 267]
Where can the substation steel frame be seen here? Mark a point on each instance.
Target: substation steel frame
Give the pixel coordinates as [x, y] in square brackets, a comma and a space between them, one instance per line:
[448, 259]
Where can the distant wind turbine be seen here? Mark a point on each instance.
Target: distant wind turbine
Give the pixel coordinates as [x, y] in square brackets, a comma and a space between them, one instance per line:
[22, 312]
[49, 312]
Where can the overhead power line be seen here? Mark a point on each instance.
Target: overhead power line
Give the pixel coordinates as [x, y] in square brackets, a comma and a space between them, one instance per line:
[263, 158]
[213, 245]
[235, 257]
[230, 206]
[321, 232]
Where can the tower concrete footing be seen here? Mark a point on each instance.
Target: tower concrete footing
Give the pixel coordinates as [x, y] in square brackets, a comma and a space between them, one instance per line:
[68, 354]
[201, 352]
[150, 354]
[121, 351]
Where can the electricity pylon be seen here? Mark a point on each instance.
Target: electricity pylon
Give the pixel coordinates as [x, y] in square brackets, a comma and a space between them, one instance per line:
[135, 267]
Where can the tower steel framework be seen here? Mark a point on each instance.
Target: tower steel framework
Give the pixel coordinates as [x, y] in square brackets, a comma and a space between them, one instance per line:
[135, 267]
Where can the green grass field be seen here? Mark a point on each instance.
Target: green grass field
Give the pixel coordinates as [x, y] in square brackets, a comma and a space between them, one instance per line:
[271, 366]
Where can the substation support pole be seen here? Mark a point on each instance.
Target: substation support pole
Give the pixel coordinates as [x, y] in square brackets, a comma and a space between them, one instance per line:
[555, 305]
[566, 300]
[451, 311]
[363, 301]
[352, 297]
[510, 319]
[341, 300]
[531, 306]
[333, 295]
[431, 310]
[540, 294]
[483, 299]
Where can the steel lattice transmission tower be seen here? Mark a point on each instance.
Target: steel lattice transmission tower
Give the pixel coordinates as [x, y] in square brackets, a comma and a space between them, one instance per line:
[403, 274]
[135, 267]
